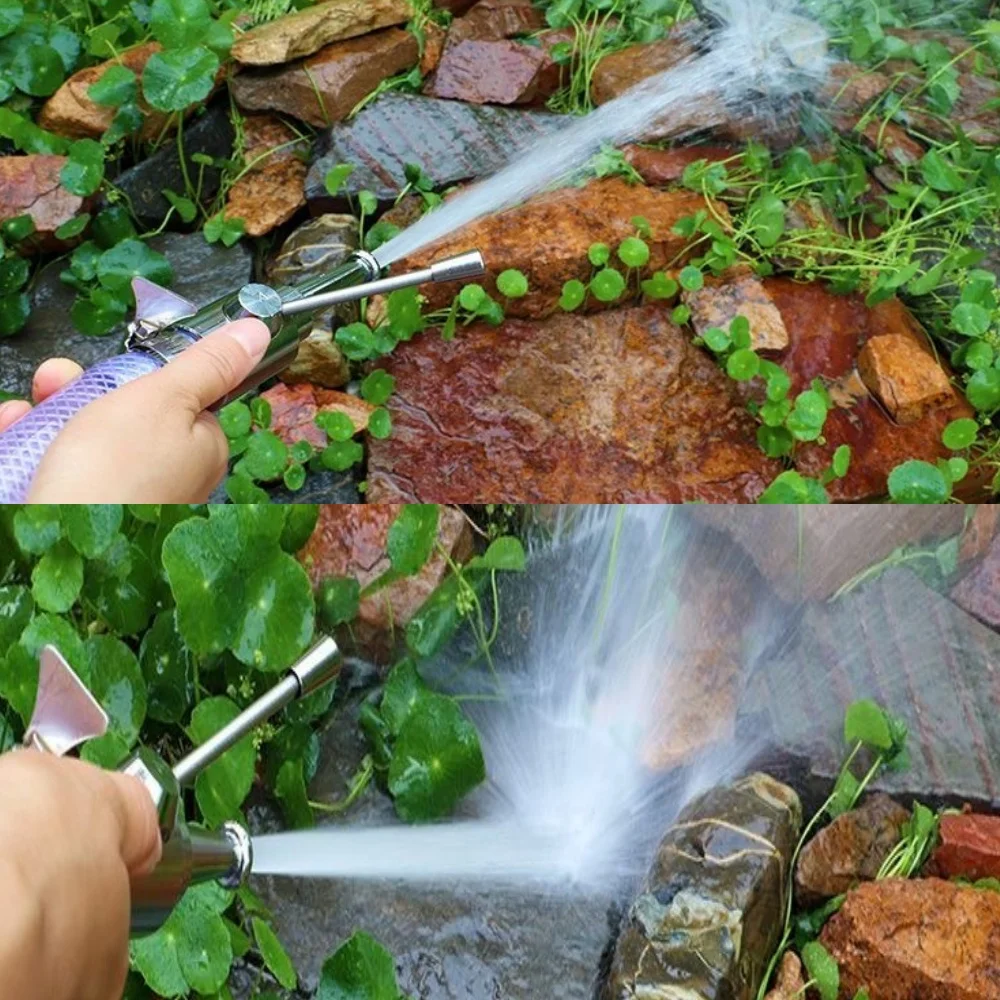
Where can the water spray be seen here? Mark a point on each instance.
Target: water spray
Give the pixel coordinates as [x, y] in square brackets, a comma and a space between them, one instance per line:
[166, 325]
[67, 715]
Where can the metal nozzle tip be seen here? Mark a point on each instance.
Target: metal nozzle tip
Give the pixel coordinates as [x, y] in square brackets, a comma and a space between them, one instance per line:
[242, 848]
[465, 265]
[317, 667]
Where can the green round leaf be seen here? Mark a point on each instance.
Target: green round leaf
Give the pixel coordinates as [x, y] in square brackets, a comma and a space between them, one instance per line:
[380, 423]
[341, 455]
[356, 341]
[37, 527]
[512, 284]
[11, 15]
[573, 294]
[91, 527]
[811, 408]
[599, 254]
[437, 760]
[983, 390]
[918, 482]
[14, 312]
[16, 609]
[505, 553]
[294, 477]
[117, 85]
[122, 587]
[691, 279]
[300, 522]
[223, 786]
[775, 442]
[377, 387]
[274, 955]
[234, 419]
[659, 287]
[175, 79]
[335, 177]
[412, 536]
[472, 297]
[958, 469]
[132, 259]
[266, 457]
[113, 226]
[74, 227]
[99, 314]
[970, 319]
[84, 170]
[841, 461]
[960, 434]
[336, 424]
[633, 252]
[360, 969]
[717, 339]
[338, 601]
[166, 665]
[865, 722]
[823, 970]
[37, 69]
[19, 676]
[57, 578]
[14, 273]
[979, 355]
[179, 23]
[743, 365]
[117, 683]
[607, 285]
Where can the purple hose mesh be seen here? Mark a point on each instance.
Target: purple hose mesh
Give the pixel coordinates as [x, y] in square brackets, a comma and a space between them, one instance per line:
[23, 444]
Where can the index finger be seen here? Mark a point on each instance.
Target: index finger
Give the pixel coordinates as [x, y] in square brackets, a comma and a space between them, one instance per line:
[139, 826]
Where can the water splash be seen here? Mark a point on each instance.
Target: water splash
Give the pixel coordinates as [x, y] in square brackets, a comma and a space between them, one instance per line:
[763, 57]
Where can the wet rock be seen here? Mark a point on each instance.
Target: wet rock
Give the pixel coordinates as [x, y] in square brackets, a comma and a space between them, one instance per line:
[659, 167]
[448, 140]
[548, 239]
[495, 72]
[968, 847]
[315, 248]
[454, 7]
[893, 142]
[896, 640]
[618, 406]
[210, 135]
[434, 38]
[351, 541]
[294, 409]
[827, 333]
[327, 86]
[850, 850]
[495, 19]
[621, 71]
[790, 984]
[720, 302]
[978, 592]
[811, 556]
[306, 31]
[273, 188]
[851, 90]
[29, 185]
[71, 112]
[904, 377]
[202, 272]
[980, 530]
[901, 939]
[708, 915]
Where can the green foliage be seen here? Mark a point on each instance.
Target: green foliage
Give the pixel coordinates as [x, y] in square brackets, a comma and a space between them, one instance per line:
[823, 970]
[360, 969]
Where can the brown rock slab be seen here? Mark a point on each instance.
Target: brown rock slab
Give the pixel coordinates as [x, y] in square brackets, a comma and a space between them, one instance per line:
[720, 302]
[659, 167]
[495, 19]
[968, 848]
[850, 850]
[70, 111]
[905, 378]
[326, 87]
[978, 592]
[979, 533]
[827, 334]
[294, 409]
[617, 406]
[29, 185]
[497, 71]
[454, 7]
[306, 31]
[621, 71]
[434, 38]
[851, 89]
[709, 913]
[928, 939]
[790, 984]
[548, 239]
[272, 188]
[350, 540]
[813, 555]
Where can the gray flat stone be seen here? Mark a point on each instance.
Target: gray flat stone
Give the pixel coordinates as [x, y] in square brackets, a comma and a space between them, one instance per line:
[450, 141]
[202, 272]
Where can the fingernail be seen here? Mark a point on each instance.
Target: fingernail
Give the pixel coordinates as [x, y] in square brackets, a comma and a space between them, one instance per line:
[252, 335]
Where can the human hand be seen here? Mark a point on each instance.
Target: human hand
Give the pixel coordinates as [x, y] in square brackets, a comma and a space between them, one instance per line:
[71, 836]
[152, 440]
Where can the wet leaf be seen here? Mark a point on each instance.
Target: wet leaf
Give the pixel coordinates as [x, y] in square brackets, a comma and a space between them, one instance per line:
[377, 387]
[339, 598]
[37, 527]
[57, 578]
[16, 609]
[437, 760]
[822, 969]
[300, 522]
[573, 294]
[132, 259]
[274, 955]
[179, 23]
[607, 285]
[512, 284]
[11, 15]
[266, 457]
[91, 527]
[865, 722]
[117, 85]
[506, 553]
[983, 390]
[167, 666]
[380, 423]
[403, 689]
[336, 177]
[412, 536]
[223, 786]
[360, 969]
[960, 434]
[177, 78]
[691, 279]
[117, 683]
[918, 482]
[633, 252]
[83, 172]
[235, 419]
[37, 69]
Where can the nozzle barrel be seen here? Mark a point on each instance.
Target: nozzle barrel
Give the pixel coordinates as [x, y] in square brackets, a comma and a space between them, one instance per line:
[317, 667]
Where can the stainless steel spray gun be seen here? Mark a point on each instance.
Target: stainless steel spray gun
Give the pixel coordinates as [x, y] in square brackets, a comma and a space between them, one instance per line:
[165, 325]
[67, 715]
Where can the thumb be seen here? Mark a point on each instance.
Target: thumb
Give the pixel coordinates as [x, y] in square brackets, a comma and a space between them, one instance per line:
[204, 373]
[138, 823]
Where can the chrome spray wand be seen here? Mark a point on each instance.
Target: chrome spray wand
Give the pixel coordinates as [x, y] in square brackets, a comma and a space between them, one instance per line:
[165, 325]
[66, 715]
